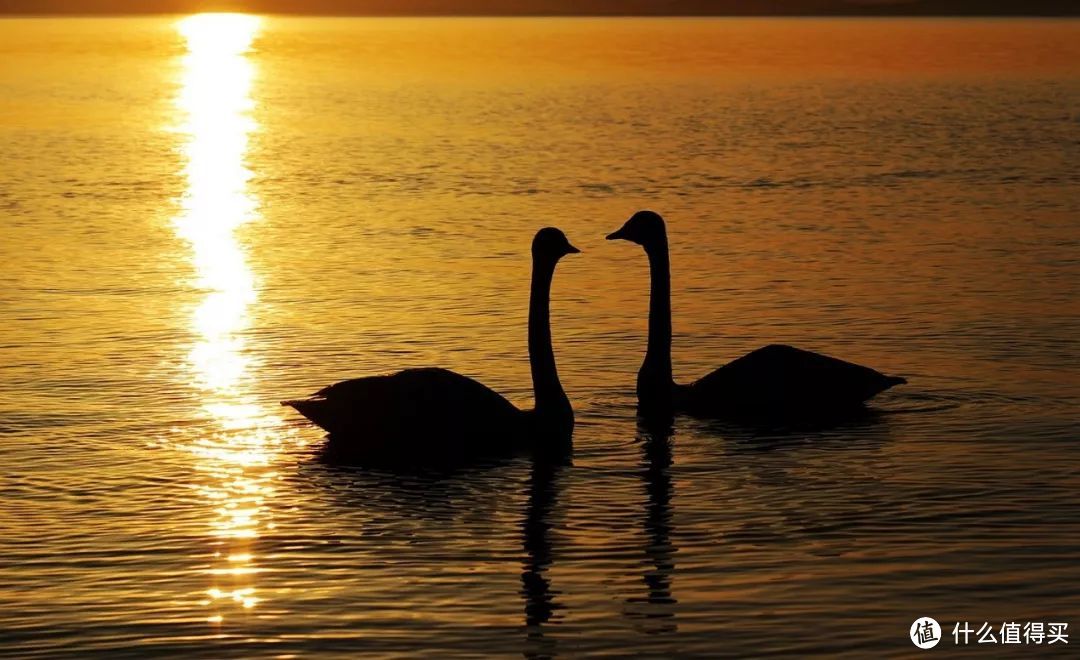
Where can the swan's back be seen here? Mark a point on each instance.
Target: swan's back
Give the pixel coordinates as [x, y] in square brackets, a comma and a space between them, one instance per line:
[779, 380]
[431, 410]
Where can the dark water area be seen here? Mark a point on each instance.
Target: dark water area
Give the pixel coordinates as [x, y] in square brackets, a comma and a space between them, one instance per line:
[201, 218]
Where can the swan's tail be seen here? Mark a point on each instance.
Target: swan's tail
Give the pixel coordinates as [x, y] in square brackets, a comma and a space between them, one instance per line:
[299, 403]
[881, 384]
[315, 409]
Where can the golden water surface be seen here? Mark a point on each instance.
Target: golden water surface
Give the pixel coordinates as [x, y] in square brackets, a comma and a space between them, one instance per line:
[204, 215]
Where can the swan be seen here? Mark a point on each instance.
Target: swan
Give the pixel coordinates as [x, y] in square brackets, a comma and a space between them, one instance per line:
[773, 382]
[437, 414]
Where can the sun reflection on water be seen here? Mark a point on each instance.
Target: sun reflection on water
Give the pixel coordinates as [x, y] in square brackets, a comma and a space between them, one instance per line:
[235, 459]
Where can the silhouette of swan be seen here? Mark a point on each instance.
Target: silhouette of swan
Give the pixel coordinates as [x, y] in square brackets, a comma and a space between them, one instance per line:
[433, 414]
[774, 382]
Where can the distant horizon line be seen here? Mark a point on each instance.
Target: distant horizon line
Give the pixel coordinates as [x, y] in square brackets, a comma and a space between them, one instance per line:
[92, 14]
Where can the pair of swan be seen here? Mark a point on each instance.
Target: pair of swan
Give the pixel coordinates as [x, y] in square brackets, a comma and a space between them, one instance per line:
[443, 414]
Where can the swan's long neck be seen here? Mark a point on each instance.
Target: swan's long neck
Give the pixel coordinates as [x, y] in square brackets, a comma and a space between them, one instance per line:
[550, 397]
[657, 364]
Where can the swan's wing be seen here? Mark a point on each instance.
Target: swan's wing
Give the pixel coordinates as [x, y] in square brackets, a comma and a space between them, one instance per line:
[431, 406]
[432, 385]
[783, 377]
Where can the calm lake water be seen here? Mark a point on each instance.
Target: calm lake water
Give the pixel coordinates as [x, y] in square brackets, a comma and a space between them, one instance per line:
[203, 217]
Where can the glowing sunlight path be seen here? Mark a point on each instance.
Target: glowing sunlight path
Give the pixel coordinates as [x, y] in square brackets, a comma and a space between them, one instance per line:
[234, 456]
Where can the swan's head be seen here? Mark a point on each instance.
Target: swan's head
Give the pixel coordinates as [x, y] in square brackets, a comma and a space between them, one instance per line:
[551, 245]
[645, 228]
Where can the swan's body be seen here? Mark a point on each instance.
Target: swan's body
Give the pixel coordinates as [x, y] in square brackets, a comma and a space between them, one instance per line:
[433, 414]
[773, 382]
[434, 407]
[785, 380]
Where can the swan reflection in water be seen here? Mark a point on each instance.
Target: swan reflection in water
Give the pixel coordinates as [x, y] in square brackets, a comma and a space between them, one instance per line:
[540, 605]
[391, 501]
[655, 612]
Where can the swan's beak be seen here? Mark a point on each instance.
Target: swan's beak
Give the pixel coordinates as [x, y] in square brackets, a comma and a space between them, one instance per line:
[616, 235]
[570, 249]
